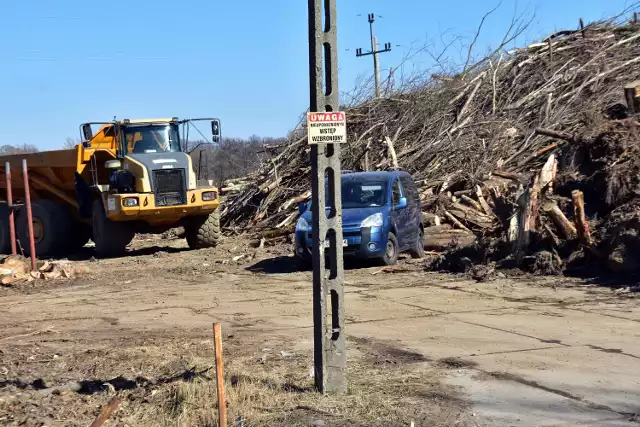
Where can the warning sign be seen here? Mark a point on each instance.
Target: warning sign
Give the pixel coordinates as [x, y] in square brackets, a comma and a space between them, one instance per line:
[327, 128]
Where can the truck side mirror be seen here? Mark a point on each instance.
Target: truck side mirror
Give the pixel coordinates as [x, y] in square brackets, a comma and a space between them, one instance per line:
[215, 130]
[87, 133]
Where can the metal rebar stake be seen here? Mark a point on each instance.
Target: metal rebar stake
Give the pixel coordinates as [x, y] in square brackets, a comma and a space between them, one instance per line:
[330, 357]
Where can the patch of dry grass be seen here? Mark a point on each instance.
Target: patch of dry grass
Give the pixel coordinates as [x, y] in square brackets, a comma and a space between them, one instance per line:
[280, 392]
[171, 383]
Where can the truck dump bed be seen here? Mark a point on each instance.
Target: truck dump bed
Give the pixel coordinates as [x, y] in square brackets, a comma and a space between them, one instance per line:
[50, 172]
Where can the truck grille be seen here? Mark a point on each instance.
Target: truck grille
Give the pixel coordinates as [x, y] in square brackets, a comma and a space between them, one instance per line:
[169, 187]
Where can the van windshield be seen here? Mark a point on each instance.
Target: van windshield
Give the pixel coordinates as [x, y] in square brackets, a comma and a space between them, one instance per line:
[360, 194]
[363, 194]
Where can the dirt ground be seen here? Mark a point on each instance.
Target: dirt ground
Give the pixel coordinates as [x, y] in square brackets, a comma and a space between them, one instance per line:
[438, 350]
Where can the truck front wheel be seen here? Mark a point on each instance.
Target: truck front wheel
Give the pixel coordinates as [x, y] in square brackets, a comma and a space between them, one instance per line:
[203, 231]
[111, 238]
[80, 235]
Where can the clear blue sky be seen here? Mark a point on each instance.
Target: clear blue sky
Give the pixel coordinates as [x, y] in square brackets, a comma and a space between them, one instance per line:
[63, 62]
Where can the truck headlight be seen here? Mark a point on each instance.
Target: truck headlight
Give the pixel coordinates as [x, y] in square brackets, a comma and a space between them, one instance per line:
[208, 196]
[302, 225]
[374, 220]
[130, 202]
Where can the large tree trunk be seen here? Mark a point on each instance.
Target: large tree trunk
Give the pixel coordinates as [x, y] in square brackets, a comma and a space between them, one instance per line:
[560, 220]
[444, 237]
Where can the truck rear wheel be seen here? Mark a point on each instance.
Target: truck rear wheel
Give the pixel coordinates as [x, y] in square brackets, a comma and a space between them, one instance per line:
[203, 231]
[5, 243]
[111, 238]
[51, 228]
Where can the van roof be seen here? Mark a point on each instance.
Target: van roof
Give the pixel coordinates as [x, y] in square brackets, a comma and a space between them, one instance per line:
[377, 175]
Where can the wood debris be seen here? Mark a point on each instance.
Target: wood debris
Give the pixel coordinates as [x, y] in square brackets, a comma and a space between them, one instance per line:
[496, 152]
[16, 269]
[390, 269]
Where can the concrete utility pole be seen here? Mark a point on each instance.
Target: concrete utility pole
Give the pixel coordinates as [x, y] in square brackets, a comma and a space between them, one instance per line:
[374, 52]
[329, 343]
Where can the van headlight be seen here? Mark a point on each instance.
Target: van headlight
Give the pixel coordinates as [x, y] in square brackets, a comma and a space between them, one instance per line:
[374, 220]
[302, 225]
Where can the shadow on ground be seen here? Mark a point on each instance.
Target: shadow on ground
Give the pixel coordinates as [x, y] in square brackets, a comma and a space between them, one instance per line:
[290, 264]
[597, 275]
[88, 253]
[93, 386]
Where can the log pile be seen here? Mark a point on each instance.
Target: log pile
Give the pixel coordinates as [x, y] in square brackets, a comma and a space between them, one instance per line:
[528, 149]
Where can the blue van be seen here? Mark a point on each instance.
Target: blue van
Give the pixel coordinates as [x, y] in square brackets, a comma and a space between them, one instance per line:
[381, 217]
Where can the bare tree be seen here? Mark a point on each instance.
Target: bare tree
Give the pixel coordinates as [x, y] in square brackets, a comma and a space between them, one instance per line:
[231, 158]
[70, 143]
[18, 149]
[475, 38]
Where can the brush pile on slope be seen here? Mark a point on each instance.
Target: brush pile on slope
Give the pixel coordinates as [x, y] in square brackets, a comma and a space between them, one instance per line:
[530, 155]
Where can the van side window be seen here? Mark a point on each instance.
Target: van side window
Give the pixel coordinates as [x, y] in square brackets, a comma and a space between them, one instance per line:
[410, 190]
[395, 192]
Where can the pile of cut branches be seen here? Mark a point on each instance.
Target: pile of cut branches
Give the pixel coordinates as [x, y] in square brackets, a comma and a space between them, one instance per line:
[497, 151]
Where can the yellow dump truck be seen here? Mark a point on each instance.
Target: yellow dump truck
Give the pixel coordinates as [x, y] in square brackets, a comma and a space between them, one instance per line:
[131, 177]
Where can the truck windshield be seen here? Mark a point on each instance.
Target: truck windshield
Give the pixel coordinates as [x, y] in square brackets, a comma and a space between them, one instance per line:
[151, 138]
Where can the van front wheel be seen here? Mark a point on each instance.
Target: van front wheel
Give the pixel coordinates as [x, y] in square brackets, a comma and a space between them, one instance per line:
[391, 251]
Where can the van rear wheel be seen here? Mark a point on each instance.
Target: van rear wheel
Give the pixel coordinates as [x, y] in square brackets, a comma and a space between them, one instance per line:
[418, 250]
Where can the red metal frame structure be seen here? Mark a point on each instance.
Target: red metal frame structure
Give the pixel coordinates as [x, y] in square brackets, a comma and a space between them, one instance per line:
[12, 224]
[27, 202]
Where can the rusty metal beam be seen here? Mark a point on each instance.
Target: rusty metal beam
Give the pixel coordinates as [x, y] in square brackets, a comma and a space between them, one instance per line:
[27, 195]
[12, 222]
